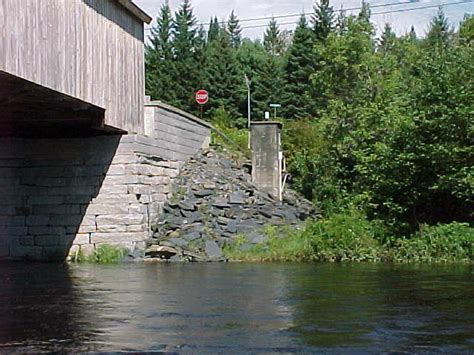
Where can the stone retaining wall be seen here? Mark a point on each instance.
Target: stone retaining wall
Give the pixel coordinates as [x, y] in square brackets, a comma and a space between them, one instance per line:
[58, 195]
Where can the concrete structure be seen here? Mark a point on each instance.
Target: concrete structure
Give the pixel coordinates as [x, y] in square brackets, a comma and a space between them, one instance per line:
[80, 163]
[267, 158]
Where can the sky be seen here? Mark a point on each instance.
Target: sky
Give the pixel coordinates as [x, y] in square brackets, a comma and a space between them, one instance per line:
[249, 9]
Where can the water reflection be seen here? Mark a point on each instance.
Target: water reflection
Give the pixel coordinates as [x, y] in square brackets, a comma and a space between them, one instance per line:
[235, 308]
[385, 308]
[42, 309]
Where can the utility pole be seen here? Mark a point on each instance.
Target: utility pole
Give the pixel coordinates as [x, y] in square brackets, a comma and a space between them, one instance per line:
[249, 117]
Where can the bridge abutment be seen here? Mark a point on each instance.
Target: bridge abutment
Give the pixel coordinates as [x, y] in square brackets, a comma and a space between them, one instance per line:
[59, 196]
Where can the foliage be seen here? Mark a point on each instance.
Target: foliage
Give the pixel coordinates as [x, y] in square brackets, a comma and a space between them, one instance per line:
[298, 69]
[323, 20]
[442, 243]
[350, 237]
[381, 125]
[272, 39]
[103, 254]
[235, 139]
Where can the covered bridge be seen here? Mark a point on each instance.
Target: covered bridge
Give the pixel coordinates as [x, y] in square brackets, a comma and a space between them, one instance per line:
[79, 164]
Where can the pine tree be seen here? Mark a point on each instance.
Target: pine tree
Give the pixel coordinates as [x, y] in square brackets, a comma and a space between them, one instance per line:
[272, 40]
[323, 19]
[412, 35]
[159, 55]
[268, 85]
[235, 31]
[466, 29]
[387, 40]
[363, 19]
[185, 72]
[214, 29]
[439, 32]
[223, 77]
[341, 22]
[299, 67]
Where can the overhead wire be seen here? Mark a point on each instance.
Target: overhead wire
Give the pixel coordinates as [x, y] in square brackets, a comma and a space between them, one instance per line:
[376, 13]
[340, 10]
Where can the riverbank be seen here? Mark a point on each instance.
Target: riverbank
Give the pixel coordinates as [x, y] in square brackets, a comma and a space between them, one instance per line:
[349, 237]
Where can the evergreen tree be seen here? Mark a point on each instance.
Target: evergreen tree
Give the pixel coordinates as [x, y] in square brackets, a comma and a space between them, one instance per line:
[235, 31]
[214, 29]
[323, 19]
[412, 35]
[185, 55]
[341, 22]
[299, 67]
[272, 40]
[466, 29]
[439, 31]
[363, 19]
[268, 85]
[223, 77]
[159, 55]
[387, 40]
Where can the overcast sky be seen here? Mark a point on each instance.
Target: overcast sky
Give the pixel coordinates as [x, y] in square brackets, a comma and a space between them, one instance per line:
[245, 9]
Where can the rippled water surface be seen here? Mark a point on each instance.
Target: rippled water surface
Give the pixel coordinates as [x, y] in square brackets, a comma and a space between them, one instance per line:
[230, 308]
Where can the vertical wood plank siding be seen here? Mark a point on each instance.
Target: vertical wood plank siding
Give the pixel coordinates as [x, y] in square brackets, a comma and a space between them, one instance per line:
[89, 49]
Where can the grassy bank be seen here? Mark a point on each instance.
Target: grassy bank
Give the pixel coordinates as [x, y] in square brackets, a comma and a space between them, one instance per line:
[349, 237]
[103, 254]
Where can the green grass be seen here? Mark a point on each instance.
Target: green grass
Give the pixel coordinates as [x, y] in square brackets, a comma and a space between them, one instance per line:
[103, 254]
[349, 237]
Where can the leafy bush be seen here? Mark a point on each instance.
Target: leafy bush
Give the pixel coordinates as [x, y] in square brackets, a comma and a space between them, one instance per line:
[452, 242]
[229, 134]
[343, 237]
[350, 237]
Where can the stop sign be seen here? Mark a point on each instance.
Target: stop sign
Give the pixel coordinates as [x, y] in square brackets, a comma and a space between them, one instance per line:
[202, 97]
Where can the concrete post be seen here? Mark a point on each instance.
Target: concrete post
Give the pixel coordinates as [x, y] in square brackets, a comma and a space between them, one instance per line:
[267, 157]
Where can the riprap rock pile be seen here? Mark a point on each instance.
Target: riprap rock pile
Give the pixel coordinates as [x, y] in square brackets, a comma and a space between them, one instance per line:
[215, 204]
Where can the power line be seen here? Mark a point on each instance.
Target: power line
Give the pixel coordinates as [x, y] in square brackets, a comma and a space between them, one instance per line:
[305, 14]
[340, 10]
[377, 13]
[312, 13]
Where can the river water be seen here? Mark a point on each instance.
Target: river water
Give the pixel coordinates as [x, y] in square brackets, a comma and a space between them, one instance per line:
[236, 308]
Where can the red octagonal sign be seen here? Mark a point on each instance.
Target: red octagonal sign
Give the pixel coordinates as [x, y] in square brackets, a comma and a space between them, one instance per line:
[202, 97]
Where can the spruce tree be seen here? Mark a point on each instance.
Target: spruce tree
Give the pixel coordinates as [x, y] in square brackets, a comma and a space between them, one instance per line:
[412, 35]
[466, 29]
[341, 22]
[387, 40]
[363, 19]
[268, 85]
[299, 67]
[223, 77]
[185, 71]
[214, 29]
[235, 31]
[323, 20]
[272, 40]
[439, 31]
[159, 55]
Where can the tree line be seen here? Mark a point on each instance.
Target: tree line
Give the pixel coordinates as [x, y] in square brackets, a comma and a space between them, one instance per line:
[383, 124]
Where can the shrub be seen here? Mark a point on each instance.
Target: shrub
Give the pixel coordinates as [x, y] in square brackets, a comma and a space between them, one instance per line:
[443, 243]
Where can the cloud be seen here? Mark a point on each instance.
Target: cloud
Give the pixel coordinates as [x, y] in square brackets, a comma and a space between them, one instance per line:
[400, 21]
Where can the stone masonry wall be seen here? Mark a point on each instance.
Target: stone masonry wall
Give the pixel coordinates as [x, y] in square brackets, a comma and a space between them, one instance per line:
[61, 195]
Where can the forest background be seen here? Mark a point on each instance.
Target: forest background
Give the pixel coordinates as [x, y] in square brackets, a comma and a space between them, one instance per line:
[378, 129]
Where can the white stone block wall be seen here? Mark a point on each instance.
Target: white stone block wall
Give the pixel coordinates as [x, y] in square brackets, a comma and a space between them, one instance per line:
[59, 196]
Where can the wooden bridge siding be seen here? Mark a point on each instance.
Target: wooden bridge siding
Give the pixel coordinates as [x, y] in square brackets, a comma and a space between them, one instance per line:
[66, 45]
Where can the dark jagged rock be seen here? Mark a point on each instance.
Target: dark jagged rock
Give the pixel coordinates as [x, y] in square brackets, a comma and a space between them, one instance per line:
[215, 204]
